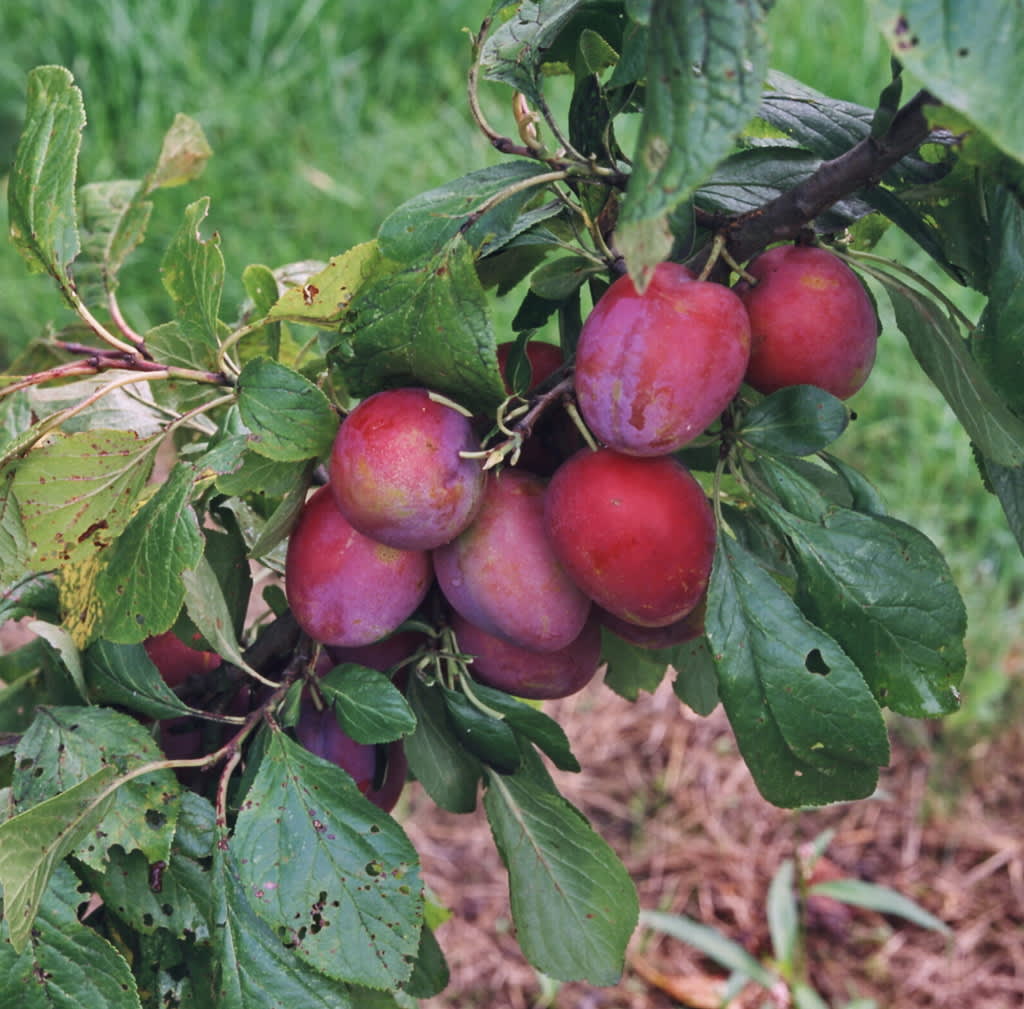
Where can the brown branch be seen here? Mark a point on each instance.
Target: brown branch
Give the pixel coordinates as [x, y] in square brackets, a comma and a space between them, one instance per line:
[863, 166]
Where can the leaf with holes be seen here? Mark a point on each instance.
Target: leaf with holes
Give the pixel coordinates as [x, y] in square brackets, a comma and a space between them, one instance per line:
[330, 872]
[805, 721]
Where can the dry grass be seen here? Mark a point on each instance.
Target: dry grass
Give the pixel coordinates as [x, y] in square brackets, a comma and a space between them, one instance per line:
[667, 789]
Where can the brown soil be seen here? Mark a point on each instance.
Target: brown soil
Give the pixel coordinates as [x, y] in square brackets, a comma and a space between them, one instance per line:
[668, 790]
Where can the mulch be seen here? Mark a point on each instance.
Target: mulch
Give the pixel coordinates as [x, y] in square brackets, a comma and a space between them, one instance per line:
[668, 790]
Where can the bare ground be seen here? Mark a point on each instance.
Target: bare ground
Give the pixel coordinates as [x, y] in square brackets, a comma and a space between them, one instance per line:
[668, 791]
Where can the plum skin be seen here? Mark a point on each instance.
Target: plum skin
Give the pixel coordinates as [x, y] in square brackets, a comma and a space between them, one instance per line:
[176, 661]
[397, 473]
[343, 587]
[539, 676]
[637, 535]
[502, 575]
[812, 322]
[653, 370]
[319, 732]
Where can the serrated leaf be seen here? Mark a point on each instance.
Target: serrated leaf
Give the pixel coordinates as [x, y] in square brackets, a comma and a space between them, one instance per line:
[368, 706]
[426, 223]
[516, 52]
[937, 342]
[556, 280]
[289, 418]
[114, 221]
[860, 893]
[448, 774]
[141, 584]
[261, 287]
[966, 55]
[706, 63]
[430, 975]
[886, 595]
[124, 675]
[182, 902]
[281, 522]
[49, 973]
[426, 325]
[41, 190]
[804, 718]
[573, 903]
[125, 409]
[34, 842]
[67, 745]
[798, 420]
[193, 275]
[323, 298]
[254, 969]
[15, 547]
[61, 641]
[78, 491]
[327, 868]
[183, 155]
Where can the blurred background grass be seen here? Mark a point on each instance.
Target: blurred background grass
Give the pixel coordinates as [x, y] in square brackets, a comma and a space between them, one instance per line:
[324, 115]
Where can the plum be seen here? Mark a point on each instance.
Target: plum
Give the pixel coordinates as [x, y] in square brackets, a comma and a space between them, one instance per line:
[379, 771]
[502, 575]
[637, 535]
[397, 474]
[668, 636]
[176, 661]
[343, 587]
[812, 322]
[653, 370]
[527, 673]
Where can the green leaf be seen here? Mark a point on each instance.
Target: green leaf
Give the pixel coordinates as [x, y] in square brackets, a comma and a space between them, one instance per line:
[124, 675]
[430, 976]
[696, 682]
[193, 274]
[369, 707]
[531, 724]
[573, 903]
[556, 280]
[426, 223]
[886, 595]
[67, 964]
[65, 746]
[208, 610]
[181, 903]
[798, 420]
[323, 298]
[254, 969]
[261, 287]
[630, 668]
[516, 52]
[141, 584]
[491, 739]
[63, 644]
[937, 341]
[78, 491]
[711, 943]
[998, 342]
[783, 916]
[706, 65]
[41, 190]
[967, 55]
[878, 898]
[1008, 485]
[448, 774]
[328, 869]
[805, 721]
[426, 325]
[114, 221]
[32, 844]
[290, 419]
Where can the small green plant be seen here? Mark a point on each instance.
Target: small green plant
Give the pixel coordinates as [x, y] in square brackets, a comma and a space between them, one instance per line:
[785, 975]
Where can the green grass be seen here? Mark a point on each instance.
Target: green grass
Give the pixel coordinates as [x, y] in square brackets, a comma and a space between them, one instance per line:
[324, 116]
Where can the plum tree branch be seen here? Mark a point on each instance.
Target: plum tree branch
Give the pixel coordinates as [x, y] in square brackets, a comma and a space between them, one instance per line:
[862, 166]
